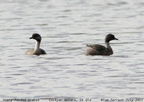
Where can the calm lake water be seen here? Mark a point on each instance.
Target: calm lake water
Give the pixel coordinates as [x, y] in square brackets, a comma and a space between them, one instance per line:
[66, 26]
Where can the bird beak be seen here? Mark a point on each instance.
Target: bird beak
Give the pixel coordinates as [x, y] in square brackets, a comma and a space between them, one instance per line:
[31, 38]
[116, 39]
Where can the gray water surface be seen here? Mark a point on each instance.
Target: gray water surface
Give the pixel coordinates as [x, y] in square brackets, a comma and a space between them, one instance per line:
[66, 27]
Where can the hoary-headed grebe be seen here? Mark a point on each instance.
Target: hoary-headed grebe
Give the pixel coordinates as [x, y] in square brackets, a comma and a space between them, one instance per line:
[97, 49]
[36, 50]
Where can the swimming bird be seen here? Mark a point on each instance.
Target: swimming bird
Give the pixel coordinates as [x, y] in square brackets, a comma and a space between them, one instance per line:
[97, 49]
[36, 50]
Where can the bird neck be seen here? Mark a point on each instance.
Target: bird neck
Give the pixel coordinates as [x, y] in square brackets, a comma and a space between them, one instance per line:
[109, 47]
[37, 45]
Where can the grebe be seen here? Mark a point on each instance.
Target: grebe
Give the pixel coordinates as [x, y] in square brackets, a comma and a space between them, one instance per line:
[97, 49]
[36, 50]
